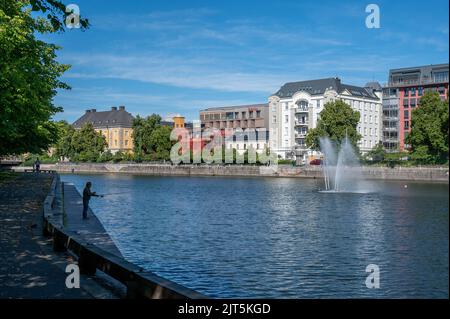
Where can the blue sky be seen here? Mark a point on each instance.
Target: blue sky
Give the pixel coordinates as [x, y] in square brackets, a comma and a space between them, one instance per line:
[170, 57]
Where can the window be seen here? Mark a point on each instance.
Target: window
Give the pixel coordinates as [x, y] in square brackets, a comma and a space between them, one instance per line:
[274, 119]
[370, 131]
[420, 91]
[406, 92]
[286, 118]
[440, 76]
[126, 142]
[413, 102]
[376, 119]
[286, 130]
[365, 118]
[405, 103]
[406, 125]
[365, 131]
[406, 114]
[258, 113]
[286, 106]
[318, 103]
[370, 118]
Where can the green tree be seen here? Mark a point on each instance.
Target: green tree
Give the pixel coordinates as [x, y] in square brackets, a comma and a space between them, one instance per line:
[337, 120]
[87, 144]
[142, 132]
[377, 153]
[29, 74]
[63, 145]
[161, 143]
[429, 130]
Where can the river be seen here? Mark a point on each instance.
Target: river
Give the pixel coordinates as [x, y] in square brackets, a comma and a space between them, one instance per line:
[278, 237]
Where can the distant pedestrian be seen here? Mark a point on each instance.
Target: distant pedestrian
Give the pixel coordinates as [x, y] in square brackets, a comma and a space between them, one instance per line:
[37, 165]
[87, 194]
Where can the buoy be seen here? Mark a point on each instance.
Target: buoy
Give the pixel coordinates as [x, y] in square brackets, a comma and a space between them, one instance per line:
[406, 186]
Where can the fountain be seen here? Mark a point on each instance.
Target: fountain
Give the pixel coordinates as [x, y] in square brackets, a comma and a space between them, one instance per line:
[341, 169]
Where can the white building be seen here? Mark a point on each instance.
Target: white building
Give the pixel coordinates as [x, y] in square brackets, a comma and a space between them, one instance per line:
[296, 107]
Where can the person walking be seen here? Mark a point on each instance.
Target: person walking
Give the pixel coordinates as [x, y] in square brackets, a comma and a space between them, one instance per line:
[87, 194]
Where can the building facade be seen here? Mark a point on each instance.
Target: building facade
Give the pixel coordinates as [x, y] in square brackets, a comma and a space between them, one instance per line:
[242, 117]
[402, 94]
[296, 107]
[115, 125]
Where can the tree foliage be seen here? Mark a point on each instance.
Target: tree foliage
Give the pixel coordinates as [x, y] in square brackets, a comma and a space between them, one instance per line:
[29, 75]
[429, 130]
[337, 120]
[151, 139]
[84, 145]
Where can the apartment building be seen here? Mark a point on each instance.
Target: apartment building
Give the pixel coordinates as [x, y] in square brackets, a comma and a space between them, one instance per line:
[295, 108]
[402, 94]
[244, 117]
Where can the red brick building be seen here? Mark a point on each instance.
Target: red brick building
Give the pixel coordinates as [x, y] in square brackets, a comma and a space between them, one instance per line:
[406, 87]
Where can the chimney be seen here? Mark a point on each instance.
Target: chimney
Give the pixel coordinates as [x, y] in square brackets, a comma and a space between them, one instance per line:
[93, 110]
[114, 108]
[88, 111]
[122, 108]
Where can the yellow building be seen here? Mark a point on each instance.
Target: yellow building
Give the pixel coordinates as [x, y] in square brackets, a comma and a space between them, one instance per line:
[115, 125]
[178, 121]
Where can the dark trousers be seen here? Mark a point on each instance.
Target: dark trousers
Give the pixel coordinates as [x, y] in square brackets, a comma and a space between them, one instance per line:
[85, 208]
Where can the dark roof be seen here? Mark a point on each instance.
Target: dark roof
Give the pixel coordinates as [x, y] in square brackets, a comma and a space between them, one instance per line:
[113, 118]
[318, 87]
[376, 86]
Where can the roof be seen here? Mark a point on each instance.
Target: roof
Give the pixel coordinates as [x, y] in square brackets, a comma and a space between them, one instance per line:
[423, 68]
[113, 118]
[225, 108]
[319, 86]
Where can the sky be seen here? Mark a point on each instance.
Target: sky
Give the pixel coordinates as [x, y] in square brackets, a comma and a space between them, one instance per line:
[178, 57]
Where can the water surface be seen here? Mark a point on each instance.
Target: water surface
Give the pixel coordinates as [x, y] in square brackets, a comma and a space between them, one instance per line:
[279, 237]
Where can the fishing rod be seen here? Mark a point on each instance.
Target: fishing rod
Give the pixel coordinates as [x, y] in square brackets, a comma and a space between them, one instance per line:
[114, 194]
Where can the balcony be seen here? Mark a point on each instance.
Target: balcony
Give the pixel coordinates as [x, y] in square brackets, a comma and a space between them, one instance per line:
[301, 110]
[418, 82]
[300, 135]
[390, 129]
[301, 122]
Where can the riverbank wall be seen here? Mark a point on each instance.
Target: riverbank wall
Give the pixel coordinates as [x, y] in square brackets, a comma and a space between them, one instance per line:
[426, 174]
[95, 250]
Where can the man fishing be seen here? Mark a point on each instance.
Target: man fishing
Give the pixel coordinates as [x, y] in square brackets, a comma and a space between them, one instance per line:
[87, 194]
